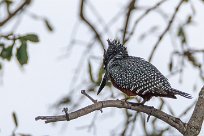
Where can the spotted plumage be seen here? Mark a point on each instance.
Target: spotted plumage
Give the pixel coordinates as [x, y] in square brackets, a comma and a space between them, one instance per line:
[135, 76]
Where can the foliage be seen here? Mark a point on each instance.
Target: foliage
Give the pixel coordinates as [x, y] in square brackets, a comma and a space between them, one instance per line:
[7, 50]
[14, 45]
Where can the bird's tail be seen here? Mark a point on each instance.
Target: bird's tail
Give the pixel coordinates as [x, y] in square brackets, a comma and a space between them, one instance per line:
[186, 95]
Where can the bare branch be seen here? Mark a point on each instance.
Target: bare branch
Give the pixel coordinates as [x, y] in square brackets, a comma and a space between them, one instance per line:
[195, 123]
[130, 9]
[90, 98]
[142, 16]
[97, 35]
[166, 29]
[192, 128]
[174, 122]
[12, 14]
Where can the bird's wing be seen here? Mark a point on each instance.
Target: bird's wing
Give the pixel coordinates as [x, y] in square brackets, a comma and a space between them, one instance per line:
[138, 75]
[153, 78]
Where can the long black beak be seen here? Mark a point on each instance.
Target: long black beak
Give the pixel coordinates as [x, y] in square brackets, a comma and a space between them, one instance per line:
[103, 83]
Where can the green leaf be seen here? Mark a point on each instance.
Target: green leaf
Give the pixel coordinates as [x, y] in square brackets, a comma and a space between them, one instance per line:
[30, 37]
[6, 53]
[15, 119]
[48, 25]
[0, 66]
[21, 54]
[90, 72]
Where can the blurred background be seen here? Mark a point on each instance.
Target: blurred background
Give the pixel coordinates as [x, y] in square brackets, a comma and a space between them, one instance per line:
[50, 50]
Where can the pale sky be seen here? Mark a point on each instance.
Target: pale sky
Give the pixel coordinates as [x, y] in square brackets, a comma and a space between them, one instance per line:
[29, 91]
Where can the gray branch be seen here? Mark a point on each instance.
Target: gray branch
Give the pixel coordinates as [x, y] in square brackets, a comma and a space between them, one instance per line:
[191, 128]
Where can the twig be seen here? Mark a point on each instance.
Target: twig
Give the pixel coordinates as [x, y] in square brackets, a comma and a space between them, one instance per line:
[166, 29]
[195, 123]
[90, 98]
[130, 9]
[97, 35]
[84, 93]
[142, 16]
[66, 113]
[11, 15]
[192, 128]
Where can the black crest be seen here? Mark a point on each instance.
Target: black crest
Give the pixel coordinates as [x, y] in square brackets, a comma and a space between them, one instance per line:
[114, 48]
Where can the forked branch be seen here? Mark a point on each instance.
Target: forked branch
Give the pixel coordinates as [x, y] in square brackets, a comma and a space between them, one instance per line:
[13, 14]
[191, 128]
[173, 121]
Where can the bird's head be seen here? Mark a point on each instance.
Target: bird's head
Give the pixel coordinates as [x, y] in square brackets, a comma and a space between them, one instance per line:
[115, 51]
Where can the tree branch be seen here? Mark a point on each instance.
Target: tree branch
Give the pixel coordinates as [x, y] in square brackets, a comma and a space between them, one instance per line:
[83, 18]
[142, 16]
[130, 9]
[192, 128]
[173, 121]
[12, 14]
[195, 123]
[166, 29]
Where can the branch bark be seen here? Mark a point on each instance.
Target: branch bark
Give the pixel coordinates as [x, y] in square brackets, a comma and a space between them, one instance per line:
[192, 128]
[195, 123]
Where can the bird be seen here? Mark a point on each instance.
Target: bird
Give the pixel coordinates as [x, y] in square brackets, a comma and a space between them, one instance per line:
[135, 76]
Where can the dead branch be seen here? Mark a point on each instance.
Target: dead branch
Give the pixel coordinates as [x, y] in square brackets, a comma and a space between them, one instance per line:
[192, 128]
[142, 16]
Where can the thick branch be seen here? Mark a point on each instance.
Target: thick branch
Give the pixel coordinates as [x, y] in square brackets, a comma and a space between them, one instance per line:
[195, 123]
[174, 122]
[20, 8]
[192, 128]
